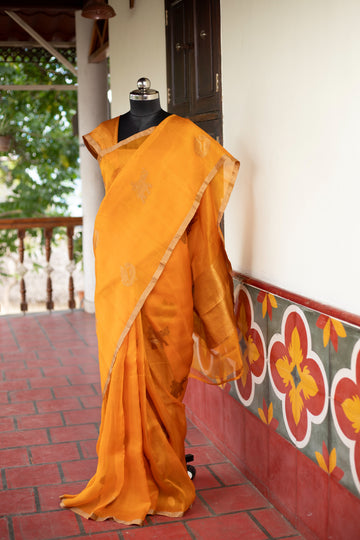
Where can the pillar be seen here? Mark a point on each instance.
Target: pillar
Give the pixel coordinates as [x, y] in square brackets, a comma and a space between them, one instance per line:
[92, 109]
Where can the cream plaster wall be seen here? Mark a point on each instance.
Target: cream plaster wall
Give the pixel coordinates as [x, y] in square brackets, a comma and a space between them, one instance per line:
[291, 97]
[137, 49]
[291, 102]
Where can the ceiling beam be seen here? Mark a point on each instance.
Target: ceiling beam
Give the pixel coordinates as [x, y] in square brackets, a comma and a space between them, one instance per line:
[35, 87]
[33, 44]
[41, 4]
[42, 42]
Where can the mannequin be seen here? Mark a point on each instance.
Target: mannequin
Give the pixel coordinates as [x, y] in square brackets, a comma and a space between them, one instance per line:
[164, 304]
[145, 110]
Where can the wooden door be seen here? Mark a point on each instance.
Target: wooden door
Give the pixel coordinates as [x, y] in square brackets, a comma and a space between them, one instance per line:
[194, 62]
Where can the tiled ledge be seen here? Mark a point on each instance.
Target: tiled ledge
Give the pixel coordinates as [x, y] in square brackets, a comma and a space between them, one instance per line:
[345, 316]
[290, 424]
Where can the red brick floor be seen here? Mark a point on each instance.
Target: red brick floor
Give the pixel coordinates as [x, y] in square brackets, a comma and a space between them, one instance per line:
[49, 420]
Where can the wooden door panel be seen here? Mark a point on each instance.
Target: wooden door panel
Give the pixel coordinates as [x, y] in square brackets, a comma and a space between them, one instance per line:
[206, 57]
[178, 50]
[212, 127]
[194, 61]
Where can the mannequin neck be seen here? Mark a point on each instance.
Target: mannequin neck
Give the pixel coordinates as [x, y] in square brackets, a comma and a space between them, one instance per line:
[142, 115]
[144, 108]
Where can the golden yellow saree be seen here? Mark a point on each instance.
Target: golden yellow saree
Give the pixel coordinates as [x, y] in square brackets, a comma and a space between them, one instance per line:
[164, 307]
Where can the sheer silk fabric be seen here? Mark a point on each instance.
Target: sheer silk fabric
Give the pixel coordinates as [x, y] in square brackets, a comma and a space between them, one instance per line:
[164, 310]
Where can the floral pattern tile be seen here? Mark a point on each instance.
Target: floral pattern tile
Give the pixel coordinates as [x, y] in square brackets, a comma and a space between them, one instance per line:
[302, 379]
[345, 403]
[252, 345]
[298, 377]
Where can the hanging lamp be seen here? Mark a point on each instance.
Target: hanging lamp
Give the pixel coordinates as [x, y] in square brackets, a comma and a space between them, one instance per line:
[97, 9]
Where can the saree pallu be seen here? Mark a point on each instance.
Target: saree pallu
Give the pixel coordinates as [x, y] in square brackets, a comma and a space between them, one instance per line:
[164, 310]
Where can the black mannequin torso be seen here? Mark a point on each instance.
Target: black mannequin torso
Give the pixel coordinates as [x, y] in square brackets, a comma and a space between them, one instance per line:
[142, 115]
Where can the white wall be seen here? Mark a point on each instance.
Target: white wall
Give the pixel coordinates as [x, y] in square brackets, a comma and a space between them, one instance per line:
[291, 101]
[291, 97]
[137, 49]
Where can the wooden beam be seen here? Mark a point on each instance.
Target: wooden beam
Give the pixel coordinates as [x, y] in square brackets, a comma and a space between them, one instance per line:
[33, 44]
[70, 5]
[36, 87]
[42, 42]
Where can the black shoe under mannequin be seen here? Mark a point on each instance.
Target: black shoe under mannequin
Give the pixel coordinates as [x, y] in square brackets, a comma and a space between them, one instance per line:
[145, 111]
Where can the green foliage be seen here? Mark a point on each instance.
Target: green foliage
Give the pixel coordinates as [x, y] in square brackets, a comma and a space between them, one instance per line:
[39, 173]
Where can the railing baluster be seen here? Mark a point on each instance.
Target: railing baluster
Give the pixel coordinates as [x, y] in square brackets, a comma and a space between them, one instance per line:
[21, 225]
[48, 269]
[71, 266]
[22, 271]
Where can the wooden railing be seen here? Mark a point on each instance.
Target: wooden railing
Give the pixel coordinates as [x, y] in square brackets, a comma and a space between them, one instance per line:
[48, 224]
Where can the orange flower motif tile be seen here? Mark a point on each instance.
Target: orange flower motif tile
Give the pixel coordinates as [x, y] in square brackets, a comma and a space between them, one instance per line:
[267, 415]
[328, 462]
[268, 302]
[332, 329]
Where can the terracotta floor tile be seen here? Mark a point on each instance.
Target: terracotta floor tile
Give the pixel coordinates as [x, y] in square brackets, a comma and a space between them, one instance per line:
[39, 421]
[30, 395]
[173, 531]
[61, 371]
[4, 529]
[197, 510]
[14, 439]
[13, 409]
[74, 433]
[55, 428]
[234, 498]
[72, 391]
[229, 527]
[88, 448]
[33, 475]
[64, 404]
[90, 402]
[19, 501]
[92, 527]
[204, 478]
[6, 424]
[195, 437]
[46, 526]
[228, 474]
[44, 361]
[82, 416]
[47, 354]
[18, 356]
[24, 373]
[104, 536]
[204, 455]
[275, 524]
[16, 384]
[9, 348]
[49, 495]
[4, 397]
[14, 457]
[297, 537]
[74, 471]
[48, 382]
[53, 453]
[85, 378]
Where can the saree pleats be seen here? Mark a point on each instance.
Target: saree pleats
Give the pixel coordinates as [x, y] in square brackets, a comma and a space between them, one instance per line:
[141, 462]
[164, 311]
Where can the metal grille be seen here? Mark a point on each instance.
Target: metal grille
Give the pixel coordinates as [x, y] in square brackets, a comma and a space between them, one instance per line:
[36, 55]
